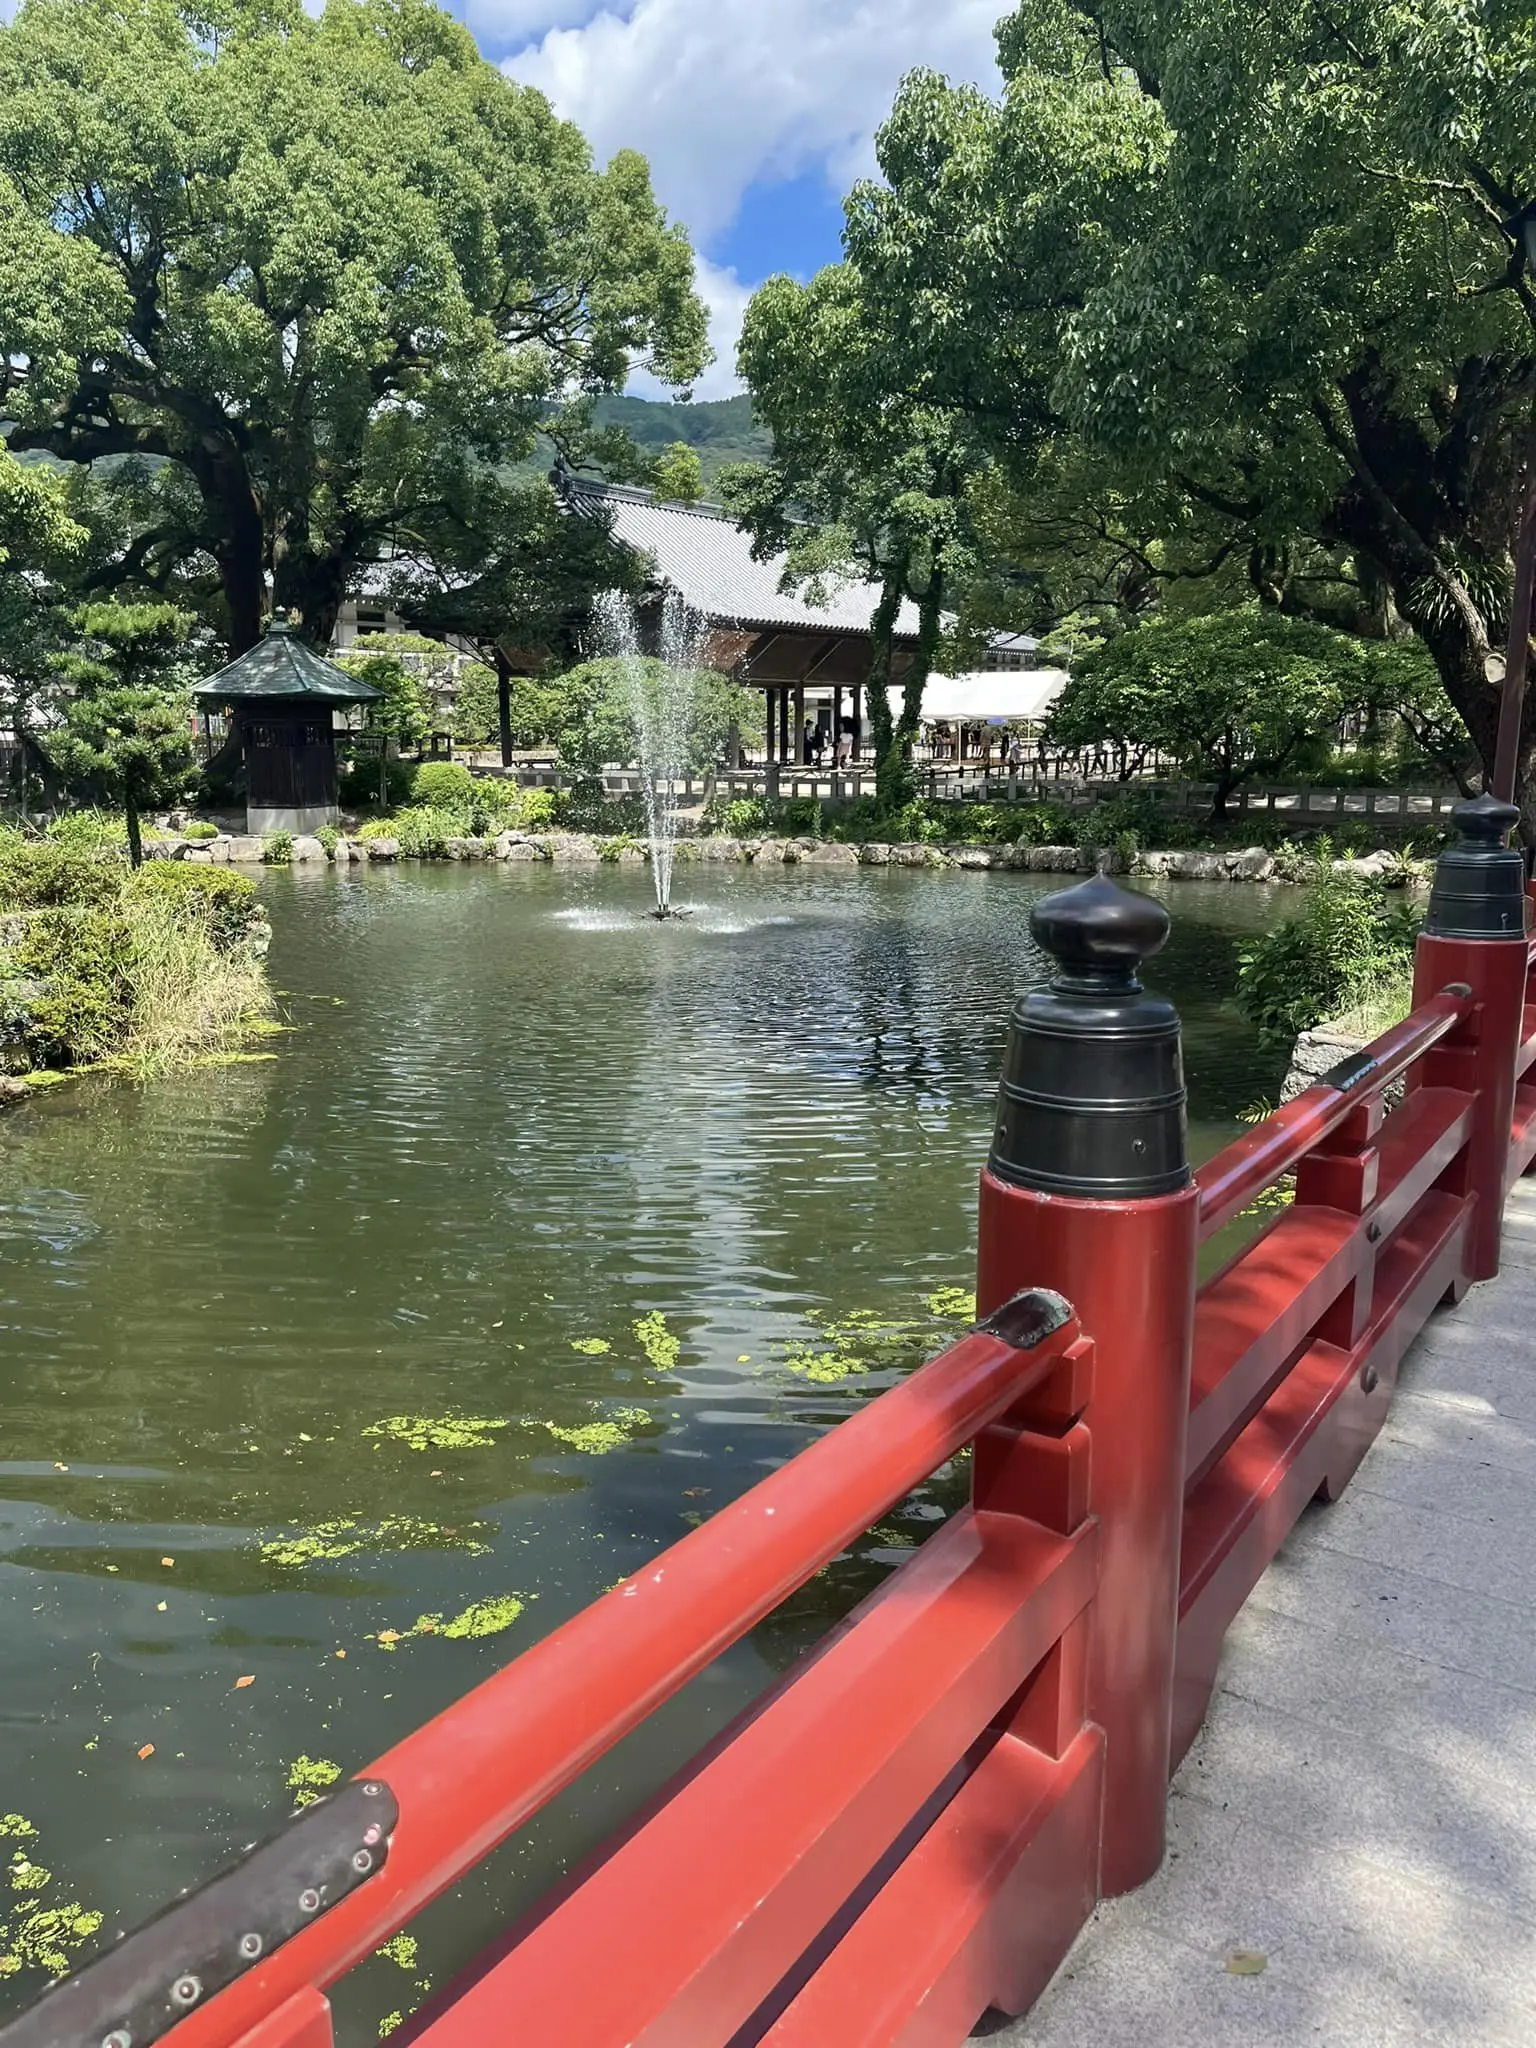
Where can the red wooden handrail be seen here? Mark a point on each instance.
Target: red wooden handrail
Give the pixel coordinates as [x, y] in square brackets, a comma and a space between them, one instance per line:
[1255, 1161]
[466, 1780]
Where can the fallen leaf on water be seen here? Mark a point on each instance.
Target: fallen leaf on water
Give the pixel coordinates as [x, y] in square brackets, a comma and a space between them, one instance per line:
[147, 1750]
[167, 1560]
[341, 1653]
[497, 1326]
[389, 1636]
[58, 1467]
[249, 1679]
[694, 1492]
[1247, 1962]
[161, 1606]
[745, 1358]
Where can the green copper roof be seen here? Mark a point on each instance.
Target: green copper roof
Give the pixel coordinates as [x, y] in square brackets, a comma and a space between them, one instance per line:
[283, 665]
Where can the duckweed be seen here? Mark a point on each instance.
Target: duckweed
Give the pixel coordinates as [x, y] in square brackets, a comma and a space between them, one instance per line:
[661, 1348]
[325, 1542]
[480, 1618]
[952, 1304]
[596, 1439]
[310, 1778]
[591, 1347]
[440, 1432]
[34, 1936]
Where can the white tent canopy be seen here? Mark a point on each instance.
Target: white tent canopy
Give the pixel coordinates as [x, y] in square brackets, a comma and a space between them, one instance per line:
[989, 696]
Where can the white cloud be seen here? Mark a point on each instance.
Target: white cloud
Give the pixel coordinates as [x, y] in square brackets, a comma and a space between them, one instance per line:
[516, 21]
[726, 298]
[721, 94]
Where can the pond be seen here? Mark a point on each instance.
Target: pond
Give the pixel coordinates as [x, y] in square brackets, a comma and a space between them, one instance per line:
[512, 1121]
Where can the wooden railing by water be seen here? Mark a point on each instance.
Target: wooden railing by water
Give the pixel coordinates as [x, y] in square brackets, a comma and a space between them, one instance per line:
[914, 1824]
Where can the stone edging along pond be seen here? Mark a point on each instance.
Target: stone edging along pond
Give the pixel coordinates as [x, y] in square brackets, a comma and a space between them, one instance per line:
[1239, 864]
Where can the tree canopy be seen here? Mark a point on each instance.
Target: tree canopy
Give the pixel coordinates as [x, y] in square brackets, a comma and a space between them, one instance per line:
[325, 275]
[1251, 287]
[1229, 695]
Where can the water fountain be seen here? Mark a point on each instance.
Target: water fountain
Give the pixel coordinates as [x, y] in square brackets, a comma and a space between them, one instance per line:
[661, 696]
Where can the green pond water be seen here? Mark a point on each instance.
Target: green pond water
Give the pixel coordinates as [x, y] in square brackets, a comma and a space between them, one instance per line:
[511, 1120]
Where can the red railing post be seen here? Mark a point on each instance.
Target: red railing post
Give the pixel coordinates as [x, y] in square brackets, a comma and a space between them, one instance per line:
[1475, 933]
[1088, 1191]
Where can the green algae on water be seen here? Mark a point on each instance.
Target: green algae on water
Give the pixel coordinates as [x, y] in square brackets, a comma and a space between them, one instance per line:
[596, 1439]
[661, 1348]
[310, 1778]
[327, 1542]
[35, 1936]
[952, 1304]
[591, 1347]
[480, 1618]
[440, 1432]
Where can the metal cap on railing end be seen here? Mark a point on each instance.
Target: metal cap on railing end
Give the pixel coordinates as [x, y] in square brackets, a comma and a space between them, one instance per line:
[1092, 1099]
[1028, 1318]
[1479, 888]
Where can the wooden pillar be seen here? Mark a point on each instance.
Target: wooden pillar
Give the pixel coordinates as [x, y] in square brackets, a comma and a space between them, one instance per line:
[768, 731]
[855, 698]
[784, 753]
[800, 753]
[837, 720]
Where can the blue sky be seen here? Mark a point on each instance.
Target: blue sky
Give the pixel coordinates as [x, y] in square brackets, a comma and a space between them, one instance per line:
[756, 115]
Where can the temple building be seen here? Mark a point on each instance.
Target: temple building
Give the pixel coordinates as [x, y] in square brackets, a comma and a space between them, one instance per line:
[281, 701]
[809, 660]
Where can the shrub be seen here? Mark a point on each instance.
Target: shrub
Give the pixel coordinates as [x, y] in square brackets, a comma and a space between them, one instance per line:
[538, 809]
[277, 849]
[423, 830]
[443, 785]
[222, 901]
[142, 969]
[329, 838]
[79, 955]
[588, 808]
[1348, 939]
[737, 817]
[88, 831]
[199, 829]
[34, 873]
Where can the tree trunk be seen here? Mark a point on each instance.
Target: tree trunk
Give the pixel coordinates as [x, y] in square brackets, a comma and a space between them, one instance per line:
[135, 836]
[504, 705]
[894, 785]
[877, 682]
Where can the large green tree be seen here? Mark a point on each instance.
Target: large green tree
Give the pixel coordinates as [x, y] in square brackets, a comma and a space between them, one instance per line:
[328, 274]
[1268, 264]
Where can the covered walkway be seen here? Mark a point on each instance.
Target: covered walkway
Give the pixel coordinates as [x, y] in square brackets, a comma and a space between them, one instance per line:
[1356, 1823]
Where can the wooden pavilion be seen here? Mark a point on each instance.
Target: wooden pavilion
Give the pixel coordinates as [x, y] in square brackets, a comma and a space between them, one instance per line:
[282, 698]
[771, 640]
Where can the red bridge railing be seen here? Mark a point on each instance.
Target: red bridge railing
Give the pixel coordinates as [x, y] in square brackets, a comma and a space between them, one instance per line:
[914, 1824]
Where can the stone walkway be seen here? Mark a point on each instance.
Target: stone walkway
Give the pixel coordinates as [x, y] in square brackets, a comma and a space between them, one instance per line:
[1360, 1808]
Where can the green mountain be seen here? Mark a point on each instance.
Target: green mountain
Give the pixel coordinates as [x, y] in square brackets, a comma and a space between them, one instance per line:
[722, 430]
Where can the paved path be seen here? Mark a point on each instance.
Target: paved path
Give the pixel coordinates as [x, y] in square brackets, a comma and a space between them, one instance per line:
[1360, 1808]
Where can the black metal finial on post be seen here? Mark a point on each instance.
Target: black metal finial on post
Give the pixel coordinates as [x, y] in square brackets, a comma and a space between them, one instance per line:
[1479, 889]
[1092, 1102]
